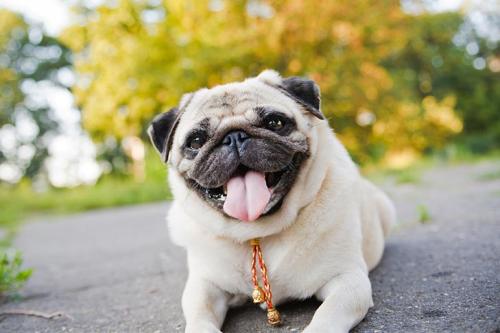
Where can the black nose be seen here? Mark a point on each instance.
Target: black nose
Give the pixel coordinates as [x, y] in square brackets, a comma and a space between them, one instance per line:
[235, 139]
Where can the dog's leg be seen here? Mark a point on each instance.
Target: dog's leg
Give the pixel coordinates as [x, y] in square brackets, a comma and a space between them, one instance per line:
[204, 305]
[346, 299]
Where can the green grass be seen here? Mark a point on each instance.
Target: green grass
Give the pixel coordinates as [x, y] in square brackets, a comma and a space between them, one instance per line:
[458, 153]
[20, 202]
[12, 275]
[17, 203]
[489, 176]
[409, 175]
[423, 214]
[452, 155]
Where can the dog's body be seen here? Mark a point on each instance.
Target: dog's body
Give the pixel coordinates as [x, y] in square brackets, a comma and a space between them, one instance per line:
[323, 239]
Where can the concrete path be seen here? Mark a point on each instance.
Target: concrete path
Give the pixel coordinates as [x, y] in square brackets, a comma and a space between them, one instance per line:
[116, 270]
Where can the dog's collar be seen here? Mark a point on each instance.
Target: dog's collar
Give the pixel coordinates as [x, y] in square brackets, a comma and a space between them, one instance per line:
[259, 294]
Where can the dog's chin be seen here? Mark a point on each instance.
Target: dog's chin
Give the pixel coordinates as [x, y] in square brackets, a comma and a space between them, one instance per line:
[279, 184]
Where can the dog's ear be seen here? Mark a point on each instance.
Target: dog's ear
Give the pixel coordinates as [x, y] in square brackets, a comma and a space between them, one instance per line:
[302, 90]
[161, 131]
[305, 92]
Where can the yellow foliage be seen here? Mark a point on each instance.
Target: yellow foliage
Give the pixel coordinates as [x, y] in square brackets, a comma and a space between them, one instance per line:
[442, 114]
[9, 22]
[400, 159]
[131, 68]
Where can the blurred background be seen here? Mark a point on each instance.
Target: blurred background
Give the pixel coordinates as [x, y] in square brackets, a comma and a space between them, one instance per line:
[403, 83]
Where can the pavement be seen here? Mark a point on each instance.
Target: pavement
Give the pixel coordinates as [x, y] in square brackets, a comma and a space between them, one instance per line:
[116, 270]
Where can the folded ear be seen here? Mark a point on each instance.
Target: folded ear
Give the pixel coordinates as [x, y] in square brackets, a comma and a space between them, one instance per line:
[305, 92]
[161, 131]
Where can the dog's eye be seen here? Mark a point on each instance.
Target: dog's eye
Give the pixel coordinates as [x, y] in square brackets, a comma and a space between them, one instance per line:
[196, 141]
[274, 123]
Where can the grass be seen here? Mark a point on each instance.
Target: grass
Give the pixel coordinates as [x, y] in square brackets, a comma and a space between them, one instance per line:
[423, 214]
[489, 176]
[17, 203]
[459, 153]
[20, 202]
[12, 275]
[410, 175]
[451, 155]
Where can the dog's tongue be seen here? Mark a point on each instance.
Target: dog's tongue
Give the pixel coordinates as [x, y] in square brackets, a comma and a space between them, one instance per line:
[247, 196]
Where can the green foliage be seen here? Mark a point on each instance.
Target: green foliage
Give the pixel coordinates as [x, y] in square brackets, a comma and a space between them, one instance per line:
[11, 26]
[432, 65]
[135, 59]
[27, 57]
[394, 85]
[12, 275]
[20, 202]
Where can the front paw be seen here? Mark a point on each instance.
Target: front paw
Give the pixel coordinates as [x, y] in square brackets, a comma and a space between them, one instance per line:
[202, 328]
[310, 329]
[323, 329]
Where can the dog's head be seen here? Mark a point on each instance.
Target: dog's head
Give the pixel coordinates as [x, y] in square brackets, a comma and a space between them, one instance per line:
[240, 146]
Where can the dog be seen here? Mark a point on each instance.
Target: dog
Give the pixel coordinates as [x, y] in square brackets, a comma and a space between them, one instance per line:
[258, 160]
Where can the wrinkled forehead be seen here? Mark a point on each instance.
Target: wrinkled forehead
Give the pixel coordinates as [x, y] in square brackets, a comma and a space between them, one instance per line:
[232, 103]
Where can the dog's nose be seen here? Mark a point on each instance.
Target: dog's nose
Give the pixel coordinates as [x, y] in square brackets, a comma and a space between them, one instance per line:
[235, 139]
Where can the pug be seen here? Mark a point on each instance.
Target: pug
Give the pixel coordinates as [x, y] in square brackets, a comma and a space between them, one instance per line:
[257, 160]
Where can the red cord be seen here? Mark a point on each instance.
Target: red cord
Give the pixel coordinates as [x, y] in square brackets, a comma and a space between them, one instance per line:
[273, 314]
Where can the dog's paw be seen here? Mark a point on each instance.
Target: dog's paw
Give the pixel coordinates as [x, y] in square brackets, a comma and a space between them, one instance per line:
[202, 328]
[324, 328]
[320, 329]
[309, 329]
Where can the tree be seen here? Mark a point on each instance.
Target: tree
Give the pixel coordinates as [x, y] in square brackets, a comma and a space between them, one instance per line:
[135, 59]
[28, 57]
[440, 60]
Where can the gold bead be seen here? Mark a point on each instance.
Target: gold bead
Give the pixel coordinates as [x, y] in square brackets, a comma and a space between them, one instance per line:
[258, 295]
[273, 317]
[255, 241]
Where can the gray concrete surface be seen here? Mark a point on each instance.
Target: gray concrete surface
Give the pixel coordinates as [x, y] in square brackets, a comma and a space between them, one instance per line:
[116, 271]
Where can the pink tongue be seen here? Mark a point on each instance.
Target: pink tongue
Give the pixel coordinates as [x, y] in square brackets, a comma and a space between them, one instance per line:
[247, 196]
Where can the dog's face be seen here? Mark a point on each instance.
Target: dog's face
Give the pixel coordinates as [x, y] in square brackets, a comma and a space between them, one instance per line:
[240, 146]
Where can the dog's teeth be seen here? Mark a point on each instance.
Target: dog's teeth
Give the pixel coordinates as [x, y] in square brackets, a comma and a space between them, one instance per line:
[224, 189]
